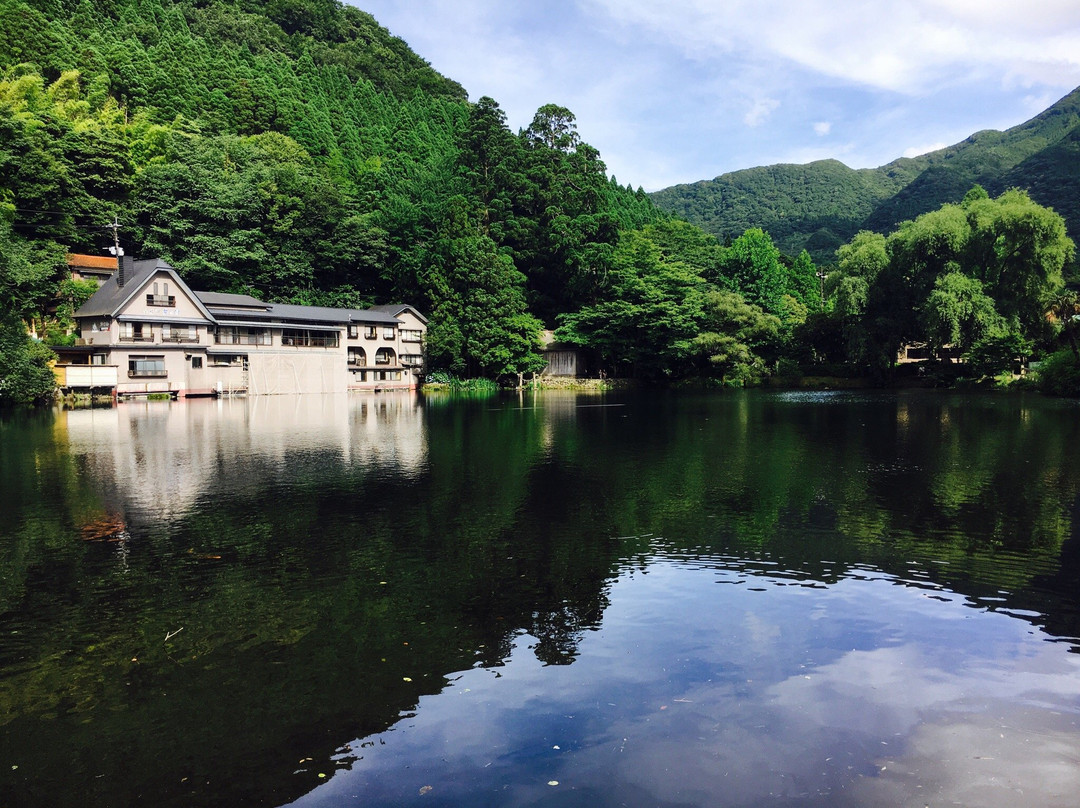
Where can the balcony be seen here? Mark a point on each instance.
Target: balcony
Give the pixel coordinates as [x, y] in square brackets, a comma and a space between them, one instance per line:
[180, 338]
[242, 339]
[310, 340]
[147, 374]
[137, 338]
[160, 300]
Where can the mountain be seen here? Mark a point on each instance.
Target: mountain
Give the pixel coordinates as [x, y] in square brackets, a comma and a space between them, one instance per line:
[821, 205]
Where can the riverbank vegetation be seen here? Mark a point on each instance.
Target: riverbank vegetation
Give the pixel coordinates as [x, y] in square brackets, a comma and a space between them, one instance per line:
[301, 153]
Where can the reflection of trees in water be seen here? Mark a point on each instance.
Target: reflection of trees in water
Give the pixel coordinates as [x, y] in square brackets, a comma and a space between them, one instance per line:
[312, 583]
[320, 595]
[559, 631]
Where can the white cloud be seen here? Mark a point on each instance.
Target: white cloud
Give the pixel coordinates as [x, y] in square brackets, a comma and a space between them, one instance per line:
[915, 151]
[689, 89]
[760, 111]
[905, 47]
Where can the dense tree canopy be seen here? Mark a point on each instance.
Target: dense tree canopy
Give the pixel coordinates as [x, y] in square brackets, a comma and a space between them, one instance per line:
[957, 276]
[297, 151]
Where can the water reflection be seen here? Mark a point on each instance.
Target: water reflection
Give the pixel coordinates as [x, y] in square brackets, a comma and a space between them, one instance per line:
[160, 458]
[673, 600]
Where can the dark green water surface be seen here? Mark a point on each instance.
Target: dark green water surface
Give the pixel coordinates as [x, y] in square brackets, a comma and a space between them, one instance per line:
[734, 599]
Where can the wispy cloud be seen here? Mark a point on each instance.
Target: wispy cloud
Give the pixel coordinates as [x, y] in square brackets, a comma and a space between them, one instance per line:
[760, 110]
[688, 89]
[915, 151]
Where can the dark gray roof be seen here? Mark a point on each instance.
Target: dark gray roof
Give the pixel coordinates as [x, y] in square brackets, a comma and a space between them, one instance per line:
[397, 308]
[320, 314]
[111, 296]
[228, 300]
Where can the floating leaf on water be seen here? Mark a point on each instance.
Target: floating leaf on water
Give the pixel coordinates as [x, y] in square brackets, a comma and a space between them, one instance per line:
[322, 775]
[406, 679]
[425, 790]
[553, 782]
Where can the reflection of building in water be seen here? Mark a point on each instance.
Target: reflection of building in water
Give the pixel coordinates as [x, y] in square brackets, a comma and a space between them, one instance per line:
[156, 458]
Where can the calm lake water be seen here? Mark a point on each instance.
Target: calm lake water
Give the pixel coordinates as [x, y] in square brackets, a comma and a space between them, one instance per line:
[734, 599]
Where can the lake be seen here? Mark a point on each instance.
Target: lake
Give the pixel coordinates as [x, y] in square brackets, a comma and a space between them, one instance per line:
[726, 599]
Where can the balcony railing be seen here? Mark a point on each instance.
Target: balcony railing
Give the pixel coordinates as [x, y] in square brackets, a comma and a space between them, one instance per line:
[160, 300]
[242, 339]
[311, 341]
[137, 338]
[358, 361]
[181, 337]
[382, 360]
[147, 374]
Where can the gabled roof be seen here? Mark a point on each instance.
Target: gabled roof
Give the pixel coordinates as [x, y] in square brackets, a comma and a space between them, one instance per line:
[230, 301]
[321, 314]
[111, 298]
[397, 308]
[100, 262]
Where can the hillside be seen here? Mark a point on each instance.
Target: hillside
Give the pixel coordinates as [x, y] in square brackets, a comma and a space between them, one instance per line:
[821, 205]
[297, 151]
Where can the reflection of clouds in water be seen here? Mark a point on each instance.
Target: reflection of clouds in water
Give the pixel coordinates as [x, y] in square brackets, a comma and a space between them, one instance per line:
[696, 695]
[1005, 757]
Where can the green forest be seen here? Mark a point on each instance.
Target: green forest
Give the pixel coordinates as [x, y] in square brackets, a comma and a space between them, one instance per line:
[297, 151]
[823, 204]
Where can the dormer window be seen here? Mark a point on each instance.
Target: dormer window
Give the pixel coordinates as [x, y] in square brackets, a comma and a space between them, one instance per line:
[162, 299]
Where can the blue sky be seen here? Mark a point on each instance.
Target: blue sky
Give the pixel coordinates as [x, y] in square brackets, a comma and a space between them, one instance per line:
[685, 90]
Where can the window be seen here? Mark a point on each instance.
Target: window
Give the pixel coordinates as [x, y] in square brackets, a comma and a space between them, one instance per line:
[196, 363]
[384, 356]
[411, 335]
[370, 332]
[301, 337]
[354, 331]
[412, 360]
[357, 357]
[389, 332]
[144, 367]
[226, 360]
[134, 332]
[97, 359]
[163, 299]
[232, 335]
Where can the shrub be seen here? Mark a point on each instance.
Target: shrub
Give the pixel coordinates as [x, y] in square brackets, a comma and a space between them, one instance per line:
[1059, 375]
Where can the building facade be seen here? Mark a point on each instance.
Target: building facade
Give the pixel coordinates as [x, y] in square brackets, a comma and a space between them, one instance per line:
[162, 337]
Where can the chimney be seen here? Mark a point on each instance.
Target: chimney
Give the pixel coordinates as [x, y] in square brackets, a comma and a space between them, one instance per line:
[126, 269]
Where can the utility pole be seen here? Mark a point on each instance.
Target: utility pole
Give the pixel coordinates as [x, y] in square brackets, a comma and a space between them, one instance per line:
[115, 227]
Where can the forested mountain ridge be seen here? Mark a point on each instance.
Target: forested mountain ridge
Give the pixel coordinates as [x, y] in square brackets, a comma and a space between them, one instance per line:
[296, 151]
[821, 205]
